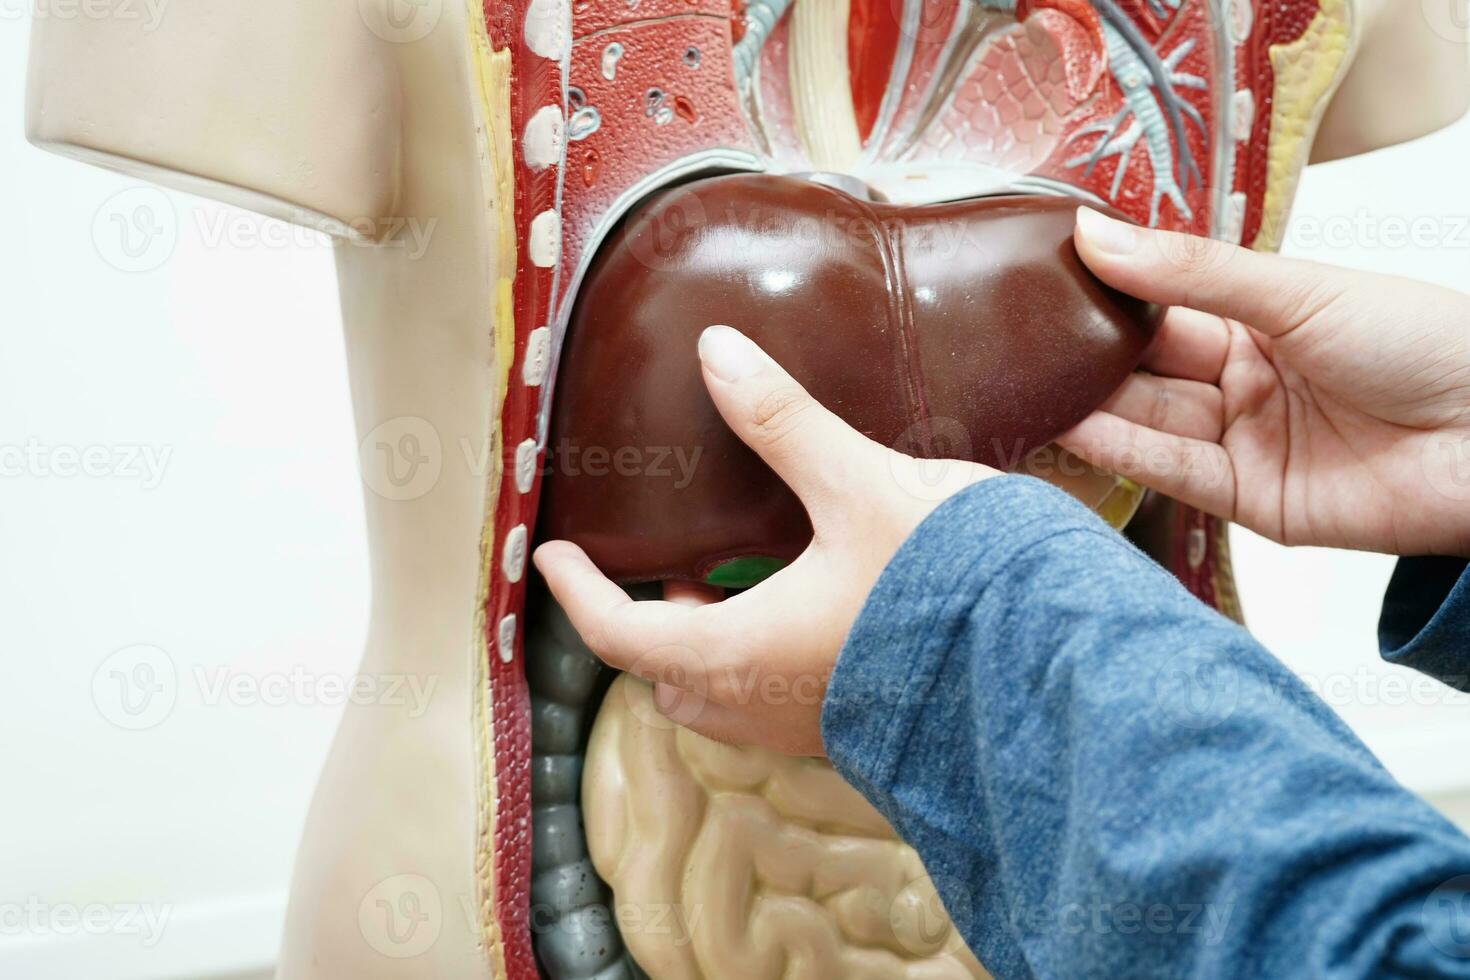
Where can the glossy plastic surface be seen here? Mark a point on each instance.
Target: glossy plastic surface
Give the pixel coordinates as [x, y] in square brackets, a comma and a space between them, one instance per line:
[969, 329]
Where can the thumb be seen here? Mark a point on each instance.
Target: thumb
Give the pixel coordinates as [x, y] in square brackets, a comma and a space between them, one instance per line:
[812, 450]
[1264, 291]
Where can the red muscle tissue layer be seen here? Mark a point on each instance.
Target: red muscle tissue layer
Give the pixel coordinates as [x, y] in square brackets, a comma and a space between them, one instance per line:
[872, 41]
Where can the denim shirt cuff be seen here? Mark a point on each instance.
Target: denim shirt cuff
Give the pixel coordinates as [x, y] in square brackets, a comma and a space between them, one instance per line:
[1425, 622]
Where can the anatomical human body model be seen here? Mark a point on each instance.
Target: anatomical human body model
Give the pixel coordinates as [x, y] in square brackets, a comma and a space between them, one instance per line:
[524, 130]
[969, 329]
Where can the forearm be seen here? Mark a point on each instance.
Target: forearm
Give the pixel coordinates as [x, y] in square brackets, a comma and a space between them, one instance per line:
[1105, 778]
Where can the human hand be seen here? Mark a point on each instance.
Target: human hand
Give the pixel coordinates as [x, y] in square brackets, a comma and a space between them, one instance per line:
[753, 668]
[1311, 404]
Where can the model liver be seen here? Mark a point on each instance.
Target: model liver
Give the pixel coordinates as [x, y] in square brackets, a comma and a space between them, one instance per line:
[961, 329]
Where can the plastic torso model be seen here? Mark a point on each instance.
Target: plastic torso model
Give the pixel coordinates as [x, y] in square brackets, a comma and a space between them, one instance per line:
[526, 130]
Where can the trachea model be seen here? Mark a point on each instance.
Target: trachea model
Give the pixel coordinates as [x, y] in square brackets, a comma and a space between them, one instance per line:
[537, 205]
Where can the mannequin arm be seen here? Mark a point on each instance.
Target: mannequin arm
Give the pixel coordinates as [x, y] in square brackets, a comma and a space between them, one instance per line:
[290, 109]
[1410, 76]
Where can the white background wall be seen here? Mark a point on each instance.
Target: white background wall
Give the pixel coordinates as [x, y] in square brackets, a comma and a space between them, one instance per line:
[216, 534]
[243, 558]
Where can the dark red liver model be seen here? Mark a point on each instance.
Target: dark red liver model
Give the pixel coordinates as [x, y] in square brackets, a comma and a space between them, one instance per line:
[974, 317]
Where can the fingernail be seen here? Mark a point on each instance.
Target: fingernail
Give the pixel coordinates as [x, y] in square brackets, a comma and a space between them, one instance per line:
[553, 552]
[1106, 233]
[729, 354]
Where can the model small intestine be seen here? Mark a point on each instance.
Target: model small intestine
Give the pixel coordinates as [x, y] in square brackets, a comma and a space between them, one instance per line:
[734, 863]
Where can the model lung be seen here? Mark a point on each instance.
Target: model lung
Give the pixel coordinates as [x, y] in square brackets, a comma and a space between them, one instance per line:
[968, 329]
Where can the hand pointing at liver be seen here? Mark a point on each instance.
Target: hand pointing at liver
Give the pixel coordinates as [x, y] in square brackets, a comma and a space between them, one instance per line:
[753, 668]
[1311, 404]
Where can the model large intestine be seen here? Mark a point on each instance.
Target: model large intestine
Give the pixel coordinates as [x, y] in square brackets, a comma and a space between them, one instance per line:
[575, 157]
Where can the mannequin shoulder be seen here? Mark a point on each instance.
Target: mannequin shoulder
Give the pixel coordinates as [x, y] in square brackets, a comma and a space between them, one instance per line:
[1409, 76]
[286, 108]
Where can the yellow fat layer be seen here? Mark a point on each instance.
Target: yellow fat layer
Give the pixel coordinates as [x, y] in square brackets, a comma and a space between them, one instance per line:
[492, 78]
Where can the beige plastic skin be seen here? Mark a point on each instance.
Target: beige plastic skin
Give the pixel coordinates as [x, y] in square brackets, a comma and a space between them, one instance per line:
[301, 111]
[1409, 75]
[334, 114]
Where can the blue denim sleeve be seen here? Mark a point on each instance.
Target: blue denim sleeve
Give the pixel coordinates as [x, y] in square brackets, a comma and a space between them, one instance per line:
[1105, 778]
[1426, 619]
